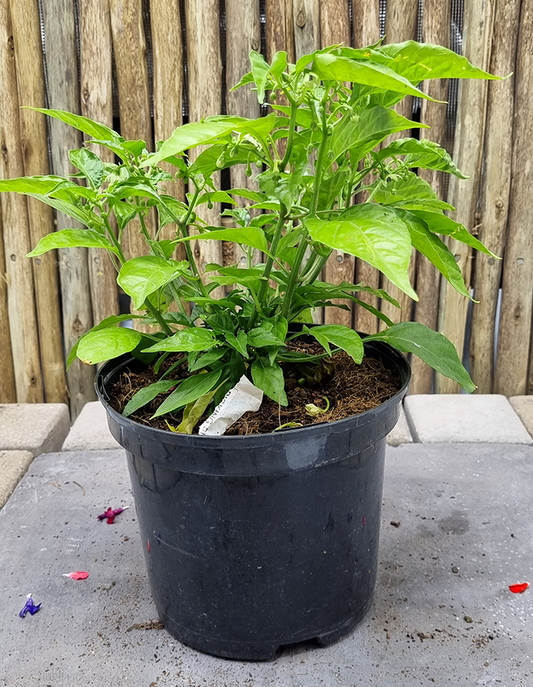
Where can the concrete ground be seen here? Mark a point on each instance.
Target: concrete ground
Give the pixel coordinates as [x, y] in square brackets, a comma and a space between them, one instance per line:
[456, 531]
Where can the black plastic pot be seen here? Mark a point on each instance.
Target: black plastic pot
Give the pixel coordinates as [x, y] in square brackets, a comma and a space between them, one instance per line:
[254, 542]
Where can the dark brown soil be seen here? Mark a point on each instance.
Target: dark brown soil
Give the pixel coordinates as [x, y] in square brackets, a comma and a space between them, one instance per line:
[349, 388]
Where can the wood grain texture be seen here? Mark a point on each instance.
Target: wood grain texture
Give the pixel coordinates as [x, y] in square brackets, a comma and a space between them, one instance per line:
[20, 296]
[243, 33]
[435, 29]
[8, 391]
[335, 28]
[97, 104]
[468, 152]
[366, 32]
[34, 150]
[205, 98]
[306, 23]
[515, 324]
[129, 44]
[401, 24]
[279, 31]
[63, 94]
[494, 192]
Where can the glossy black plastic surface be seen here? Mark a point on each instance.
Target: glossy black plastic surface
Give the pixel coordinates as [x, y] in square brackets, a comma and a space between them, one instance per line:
[258, 541]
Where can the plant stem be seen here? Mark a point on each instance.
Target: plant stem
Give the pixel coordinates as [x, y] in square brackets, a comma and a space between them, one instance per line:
[154, 312]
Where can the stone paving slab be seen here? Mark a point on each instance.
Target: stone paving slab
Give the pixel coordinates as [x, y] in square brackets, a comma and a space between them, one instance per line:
[13, 465]
[401, 434]
[35, 427]
[462, 519]
[469, 418]
[523, 407]
[90, 430]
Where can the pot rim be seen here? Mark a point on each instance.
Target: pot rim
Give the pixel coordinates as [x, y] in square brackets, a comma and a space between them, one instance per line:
[206, 441]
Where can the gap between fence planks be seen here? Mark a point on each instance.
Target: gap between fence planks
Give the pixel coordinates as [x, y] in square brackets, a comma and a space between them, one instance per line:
[63, 94]
[515, 324]
[20, 295]
[8, 392]
[34, 150]
[462, 193]
[97, 104]
[243, 33]
[204, 67]
[494, 193]
[435, 29]
[335, 28]
[401, 24]
[366, 30]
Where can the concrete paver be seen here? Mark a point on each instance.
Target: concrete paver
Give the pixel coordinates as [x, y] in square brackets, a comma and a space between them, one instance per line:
[90, 430]
[523, 407]
[401, 434]
[456, 531]
[464, 418]
[35, 427]
[13, 465]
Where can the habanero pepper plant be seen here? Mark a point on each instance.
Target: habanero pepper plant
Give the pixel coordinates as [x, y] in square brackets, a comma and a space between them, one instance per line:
[311, 155]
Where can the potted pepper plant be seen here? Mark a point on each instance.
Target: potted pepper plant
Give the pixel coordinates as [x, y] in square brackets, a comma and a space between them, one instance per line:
[266, 534]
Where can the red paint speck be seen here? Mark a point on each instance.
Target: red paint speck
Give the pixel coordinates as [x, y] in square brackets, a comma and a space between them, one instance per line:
[79, 575]
[518, 588]
[148, 545]
[364, 521]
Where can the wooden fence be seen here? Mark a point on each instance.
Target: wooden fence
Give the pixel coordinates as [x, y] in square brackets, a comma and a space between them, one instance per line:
[141, 65]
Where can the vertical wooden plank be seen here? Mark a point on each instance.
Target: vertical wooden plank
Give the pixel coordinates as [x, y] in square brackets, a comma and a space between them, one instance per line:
[335, 28]
[97, 104]
[34, 150]
[8, 392]
[435, 29]
[401, 24]
[306, 18]
[279, 31]
[129, 44]
[468, 150]
[494, 193]
[205, 98]
[243, 33]
[63, 94]
[515, 324]
[20, 296]
[366, 31]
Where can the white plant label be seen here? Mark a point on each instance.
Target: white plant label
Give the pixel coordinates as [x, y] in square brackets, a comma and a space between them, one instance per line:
[242, 398]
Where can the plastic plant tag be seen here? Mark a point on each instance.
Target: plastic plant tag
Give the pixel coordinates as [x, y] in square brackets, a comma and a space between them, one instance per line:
[78, 575]
[518, 588]
[244, 397]
[29, 607]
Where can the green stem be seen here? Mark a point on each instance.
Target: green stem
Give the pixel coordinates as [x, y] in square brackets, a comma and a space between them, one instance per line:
[154, 312]
[292, 127]
[313, 276]
[293, 278]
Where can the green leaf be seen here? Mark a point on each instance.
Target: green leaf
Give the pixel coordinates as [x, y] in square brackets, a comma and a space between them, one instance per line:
[264, 335]
[269, 378]
[419, 61]
[70, 209]
[374, 312]
[409, 192]
[239, 342]
[332, 67]
[124, 212]
[194, 134]
[371, 126]
[260, 70]
[442, 224]
[170, 210]
[134, 189]
[110, 321]
[279, 64]
[280, 185]
[215, 197]
[340, 336]
[436, 252]
[104, 344]
[207, 359]
[247, 236]
[90, 164]
[190, 339]
[35, 184]
[423, 153]
[72, 238]
[246, 79]
[88, 126]
[248, 194]
[431, 347]
[374, 234]
[147, 394]
[140, 277]
[191, 389]
[193, 412]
